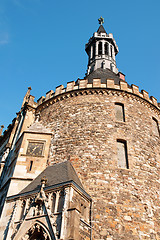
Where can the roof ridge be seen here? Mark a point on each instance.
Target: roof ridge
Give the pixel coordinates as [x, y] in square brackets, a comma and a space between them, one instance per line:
[56, 174]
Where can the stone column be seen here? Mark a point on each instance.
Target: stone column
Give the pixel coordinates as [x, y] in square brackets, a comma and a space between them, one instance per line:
[27, 205]
[113, 53]
[64, 214]
[109, 50]
[97, 48]
[103, 50]
[18, 210]
[91, 56]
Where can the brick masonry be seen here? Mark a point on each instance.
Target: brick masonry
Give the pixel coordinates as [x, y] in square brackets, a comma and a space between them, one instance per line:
[85, 131]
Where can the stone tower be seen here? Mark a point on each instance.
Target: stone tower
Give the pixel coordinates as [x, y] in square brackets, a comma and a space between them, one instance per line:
[83, 161]
[101, 50]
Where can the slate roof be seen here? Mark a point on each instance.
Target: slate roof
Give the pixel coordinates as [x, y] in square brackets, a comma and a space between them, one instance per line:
[56, 174]
[37, 127]
[103, 74]
[101, 29]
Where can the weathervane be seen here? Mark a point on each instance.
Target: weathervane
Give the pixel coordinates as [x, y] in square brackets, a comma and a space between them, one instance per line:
[101, 20]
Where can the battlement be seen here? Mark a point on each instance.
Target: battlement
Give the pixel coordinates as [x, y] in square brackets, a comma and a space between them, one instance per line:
[81, 84]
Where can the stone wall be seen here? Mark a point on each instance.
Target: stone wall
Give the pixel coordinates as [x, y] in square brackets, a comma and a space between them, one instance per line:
[85, 131]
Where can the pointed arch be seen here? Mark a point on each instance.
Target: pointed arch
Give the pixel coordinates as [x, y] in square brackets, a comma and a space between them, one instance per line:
[37, 232]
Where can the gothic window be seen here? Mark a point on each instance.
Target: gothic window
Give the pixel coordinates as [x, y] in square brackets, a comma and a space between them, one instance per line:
[119, 112]
[36, 233]
[61, 202]
[106, 48]
[100, 48]
[122, 154]
[155, 127]
[111, 50]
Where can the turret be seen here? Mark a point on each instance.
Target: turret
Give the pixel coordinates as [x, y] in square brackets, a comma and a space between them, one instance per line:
[101, 50]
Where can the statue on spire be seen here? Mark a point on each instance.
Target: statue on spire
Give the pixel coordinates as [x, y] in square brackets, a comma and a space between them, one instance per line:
[101, 20]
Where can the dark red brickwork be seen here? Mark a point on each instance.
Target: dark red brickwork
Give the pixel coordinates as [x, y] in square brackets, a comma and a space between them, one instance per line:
[126, 203]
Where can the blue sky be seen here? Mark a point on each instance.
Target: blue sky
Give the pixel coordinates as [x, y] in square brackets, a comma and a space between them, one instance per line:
[42, 45]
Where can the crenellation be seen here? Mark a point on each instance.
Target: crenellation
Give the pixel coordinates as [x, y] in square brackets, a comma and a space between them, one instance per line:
[123, 85]
[40, 100]
[59, 90]
[96, 83]
[49, 94]
[145, 94]
[70, 86]
[135, 89]
[154, 101]
[110, 83]
[82, 83]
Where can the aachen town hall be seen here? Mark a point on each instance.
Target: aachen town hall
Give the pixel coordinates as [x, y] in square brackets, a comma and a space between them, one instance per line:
[83, 162]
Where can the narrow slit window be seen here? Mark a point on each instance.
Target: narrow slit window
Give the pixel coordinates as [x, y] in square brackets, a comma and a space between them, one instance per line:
[111, 50]
[122, 154]
[119, 112]
[100, 48]
[31, 165]
[106, 48]
[156, 127]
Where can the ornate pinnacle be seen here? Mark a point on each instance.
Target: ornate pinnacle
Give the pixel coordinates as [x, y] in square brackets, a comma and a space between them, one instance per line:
[1, 129]
[43, 180]
[101, 20]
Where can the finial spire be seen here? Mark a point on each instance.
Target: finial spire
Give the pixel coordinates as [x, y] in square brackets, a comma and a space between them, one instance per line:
[26, 97]
[101, 20]
[1, 130]
[43, 181]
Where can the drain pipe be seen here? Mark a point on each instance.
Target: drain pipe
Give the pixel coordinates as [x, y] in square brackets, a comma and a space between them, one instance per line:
[91, 219]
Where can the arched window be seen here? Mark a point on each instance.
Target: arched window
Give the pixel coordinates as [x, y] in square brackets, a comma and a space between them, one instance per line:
[119, 112]
[122, 154]
[36, 232]
[100, 48]
[156, 127]
[106, 48]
